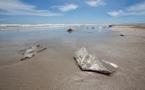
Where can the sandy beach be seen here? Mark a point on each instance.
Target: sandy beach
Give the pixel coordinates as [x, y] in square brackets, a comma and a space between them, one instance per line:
[55, 68]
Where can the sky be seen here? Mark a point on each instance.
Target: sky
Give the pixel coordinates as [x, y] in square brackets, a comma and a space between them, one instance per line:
[72, 11]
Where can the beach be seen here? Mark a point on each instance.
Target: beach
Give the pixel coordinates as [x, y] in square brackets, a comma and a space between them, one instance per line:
[56, 69]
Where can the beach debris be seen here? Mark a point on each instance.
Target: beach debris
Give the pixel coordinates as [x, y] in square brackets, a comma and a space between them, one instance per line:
[88, 62]
[70, 30]
[32, 51]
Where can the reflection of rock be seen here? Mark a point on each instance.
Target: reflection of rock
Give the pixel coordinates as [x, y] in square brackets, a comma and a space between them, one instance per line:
[32, 51]
[88, 62]
[87, 27]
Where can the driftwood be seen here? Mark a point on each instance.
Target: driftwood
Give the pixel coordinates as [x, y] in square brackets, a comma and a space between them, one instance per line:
[31, 51]
[88, 62]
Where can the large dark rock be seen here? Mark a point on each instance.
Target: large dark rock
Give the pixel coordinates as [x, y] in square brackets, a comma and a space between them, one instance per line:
[122, 35]
[70, 30]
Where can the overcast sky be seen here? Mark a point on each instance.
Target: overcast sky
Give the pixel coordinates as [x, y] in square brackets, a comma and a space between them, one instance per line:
[72, 11]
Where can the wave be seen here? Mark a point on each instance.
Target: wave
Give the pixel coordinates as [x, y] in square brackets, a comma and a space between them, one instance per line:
[46, 26]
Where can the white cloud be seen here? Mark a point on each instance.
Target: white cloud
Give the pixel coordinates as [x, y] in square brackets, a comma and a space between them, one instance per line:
[17, 7]
[116, 13]
[95, 3]
[67, 7]
[134, 10]
[137, 7]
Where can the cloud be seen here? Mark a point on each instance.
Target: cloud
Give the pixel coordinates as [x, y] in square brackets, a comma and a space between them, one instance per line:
[95, 3]
[133, 10]
[67, 7]
[137, 7]
[116, 13]
[17, 7]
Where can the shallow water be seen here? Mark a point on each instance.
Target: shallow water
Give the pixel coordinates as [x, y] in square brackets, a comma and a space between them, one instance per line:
[10, 37]
[11, 41]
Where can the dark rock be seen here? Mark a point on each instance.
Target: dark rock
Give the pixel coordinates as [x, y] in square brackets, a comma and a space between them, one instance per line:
[70, 30]
[110, 26]
[93, 27]
[122, 35]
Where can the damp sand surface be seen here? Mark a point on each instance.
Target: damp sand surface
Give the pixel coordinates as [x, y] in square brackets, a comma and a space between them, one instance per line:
[55, 68]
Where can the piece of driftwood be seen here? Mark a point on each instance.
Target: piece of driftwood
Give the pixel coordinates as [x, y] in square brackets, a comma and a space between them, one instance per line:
[32, 51]
[88, 62]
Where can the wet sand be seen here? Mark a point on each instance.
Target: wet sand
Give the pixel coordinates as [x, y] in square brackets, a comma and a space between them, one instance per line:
[55, 69]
